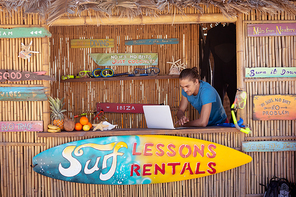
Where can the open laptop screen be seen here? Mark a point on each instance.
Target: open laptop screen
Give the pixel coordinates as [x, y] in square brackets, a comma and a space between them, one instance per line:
[158, 116]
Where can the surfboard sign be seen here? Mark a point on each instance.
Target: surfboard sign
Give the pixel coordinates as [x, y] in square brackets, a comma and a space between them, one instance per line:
[139, 159]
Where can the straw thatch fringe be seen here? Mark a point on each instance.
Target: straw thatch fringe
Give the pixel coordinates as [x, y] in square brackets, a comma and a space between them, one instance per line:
[52, 9]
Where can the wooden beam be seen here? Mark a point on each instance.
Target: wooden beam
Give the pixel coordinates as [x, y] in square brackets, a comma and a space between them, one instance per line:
[269, 79]
[144, 20]
[117, 132]
[21, 144]
[271, 138]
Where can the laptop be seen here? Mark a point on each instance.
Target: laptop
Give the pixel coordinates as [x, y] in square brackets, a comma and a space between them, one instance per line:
[158, 117]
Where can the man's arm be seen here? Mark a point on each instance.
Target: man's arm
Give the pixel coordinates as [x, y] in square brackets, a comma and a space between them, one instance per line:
[204, 117]
[182, 119]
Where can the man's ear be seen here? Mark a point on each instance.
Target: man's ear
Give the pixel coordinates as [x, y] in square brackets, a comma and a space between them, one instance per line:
[196, 81]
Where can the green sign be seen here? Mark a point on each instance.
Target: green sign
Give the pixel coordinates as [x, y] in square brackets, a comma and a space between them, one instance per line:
[271, 72]
[24, 32]
[125, 59]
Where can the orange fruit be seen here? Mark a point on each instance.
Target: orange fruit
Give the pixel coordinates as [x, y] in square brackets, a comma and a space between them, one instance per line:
[83, 120]
[89, 124]
[86, 127]
[78, 126]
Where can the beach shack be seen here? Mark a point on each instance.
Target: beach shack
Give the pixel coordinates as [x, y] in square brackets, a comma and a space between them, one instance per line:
[105, 60]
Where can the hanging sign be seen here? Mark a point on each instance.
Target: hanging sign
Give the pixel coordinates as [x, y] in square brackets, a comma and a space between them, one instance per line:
[121, 107]
[270, 72]
[24, 32]
[92, 43]
[272, 29]
[12, 126]
[274, 107]
[269, 146]
[14, 93]
[14, 75]
[125, 59]
[152, 41]
[141, 159]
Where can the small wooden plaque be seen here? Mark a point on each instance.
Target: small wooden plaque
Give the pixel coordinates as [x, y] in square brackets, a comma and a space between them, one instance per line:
[274, 107]
[269, 146]
[15, 126]
[92, 43]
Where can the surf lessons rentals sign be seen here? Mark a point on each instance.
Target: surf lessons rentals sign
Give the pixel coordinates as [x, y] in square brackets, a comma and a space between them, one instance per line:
[24, 32]
[270, 72]
[152, 41]
[12, 126]
[269, 146]
[125, 59]
[14, 75]
[24, 93]
[130, 160]
[274, 107]
[92, 43]
[271, 29]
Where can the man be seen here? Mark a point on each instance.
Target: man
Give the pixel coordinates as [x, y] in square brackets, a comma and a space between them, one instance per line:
[203, 97]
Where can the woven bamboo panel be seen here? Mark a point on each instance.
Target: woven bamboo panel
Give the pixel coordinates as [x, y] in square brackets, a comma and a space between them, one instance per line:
[269, 52]
[82, 97]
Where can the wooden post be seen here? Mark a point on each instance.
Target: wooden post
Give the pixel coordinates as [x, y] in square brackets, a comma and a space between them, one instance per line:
[45, 67]
[241, 85]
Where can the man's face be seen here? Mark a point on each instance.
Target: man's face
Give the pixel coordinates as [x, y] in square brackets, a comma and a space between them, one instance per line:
[189, 86]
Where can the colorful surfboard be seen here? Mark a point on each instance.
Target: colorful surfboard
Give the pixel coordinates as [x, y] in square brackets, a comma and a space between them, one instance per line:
[141, 159]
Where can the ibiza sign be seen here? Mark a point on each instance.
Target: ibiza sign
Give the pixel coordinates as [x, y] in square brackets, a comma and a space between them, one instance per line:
[121, 107]
[130, 160]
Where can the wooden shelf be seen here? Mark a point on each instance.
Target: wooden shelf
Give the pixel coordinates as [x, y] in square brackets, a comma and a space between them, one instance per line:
[122, 78]
[117, 132]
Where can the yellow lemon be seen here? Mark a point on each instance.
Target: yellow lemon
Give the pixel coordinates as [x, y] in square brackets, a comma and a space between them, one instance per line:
[86, 127]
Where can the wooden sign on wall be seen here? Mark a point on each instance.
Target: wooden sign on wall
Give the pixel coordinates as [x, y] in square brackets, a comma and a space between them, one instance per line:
[121, 107]
[274, 107]
[23, 93]
[152, 41]
[272, 29]
[14, 75]
[269, 146]
[92, 43]
[24, 32]
[125, 59]
[270, 72]
[12, 126]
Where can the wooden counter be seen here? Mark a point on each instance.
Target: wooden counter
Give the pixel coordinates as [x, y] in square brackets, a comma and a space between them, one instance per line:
[114, 132]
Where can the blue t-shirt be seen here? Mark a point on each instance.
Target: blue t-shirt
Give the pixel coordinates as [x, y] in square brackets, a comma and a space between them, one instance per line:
[208, 94]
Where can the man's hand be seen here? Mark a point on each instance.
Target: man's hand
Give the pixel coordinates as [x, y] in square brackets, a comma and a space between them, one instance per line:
[182, 120]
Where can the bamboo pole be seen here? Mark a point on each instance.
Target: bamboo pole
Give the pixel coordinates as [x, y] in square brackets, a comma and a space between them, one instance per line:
[45, 67]
[241, 85]
[144, 20]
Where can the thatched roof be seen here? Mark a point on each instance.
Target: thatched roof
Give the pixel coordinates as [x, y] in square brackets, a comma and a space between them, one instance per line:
[52, 9]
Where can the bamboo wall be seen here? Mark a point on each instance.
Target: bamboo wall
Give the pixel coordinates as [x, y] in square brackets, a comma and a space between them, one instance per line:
[269, 52]
[18, 148]
[82, 97]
